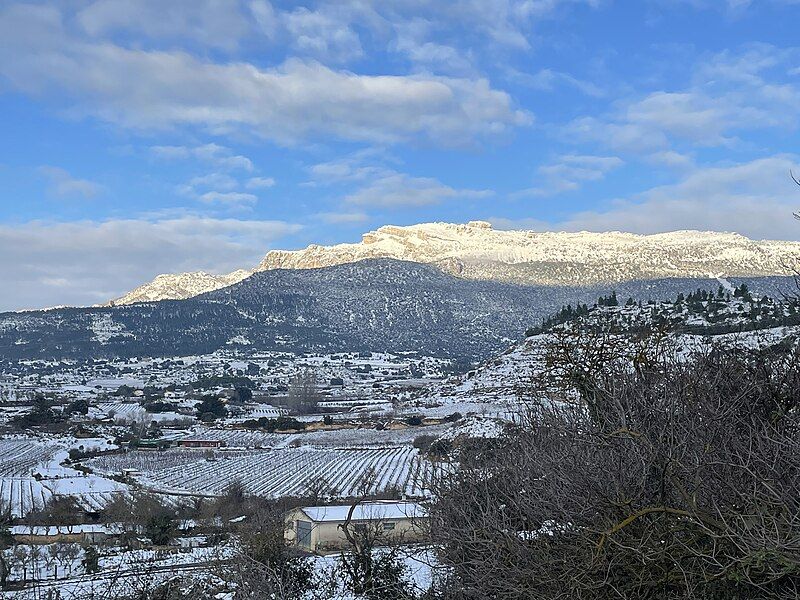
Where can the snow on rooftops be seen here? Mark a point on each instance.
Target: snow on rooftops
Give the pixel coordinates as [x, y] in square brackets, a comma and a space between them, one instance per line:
[366, 511]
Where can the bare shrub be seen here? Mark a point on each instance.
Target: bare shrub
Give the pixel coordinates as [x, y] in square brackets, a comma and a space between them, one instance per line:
[656, 476]
[264, 566]
[372, 567]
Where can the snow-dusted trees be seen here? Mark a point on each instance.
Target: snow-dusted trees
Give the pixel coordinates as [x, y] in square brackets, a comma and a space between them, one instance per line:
[263, 565]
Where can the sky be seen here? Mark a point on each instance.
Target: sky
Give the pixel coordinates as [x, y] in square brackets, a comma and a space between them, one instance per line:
[144, 137]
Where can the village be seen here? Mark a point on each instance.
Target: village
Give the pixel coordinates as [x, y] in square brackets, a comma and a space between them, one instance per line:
[337, 442]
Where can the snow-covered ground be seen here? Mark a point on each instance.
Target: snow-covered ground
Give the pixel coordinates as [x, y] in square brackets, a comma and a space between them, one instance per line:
[31, 474]
[275, 473]
[123, 573]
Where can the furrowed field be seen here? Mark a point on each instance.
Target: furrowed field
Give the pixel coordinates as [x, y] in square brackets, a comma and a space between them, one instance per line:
[342, 472]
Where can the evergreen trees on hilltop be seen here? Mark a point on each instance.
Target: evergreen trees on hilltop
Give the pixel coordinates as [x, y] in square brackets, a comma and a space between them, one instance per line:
[701, 311]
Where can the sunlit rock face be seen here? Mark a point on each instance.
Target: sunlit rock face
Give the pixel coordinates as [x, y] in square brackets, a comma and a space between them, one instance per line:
[476, 250]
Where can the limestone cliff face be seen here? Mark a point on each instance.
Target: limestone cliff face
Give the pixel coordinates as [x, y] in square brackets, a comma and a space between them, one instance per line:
[476, 250]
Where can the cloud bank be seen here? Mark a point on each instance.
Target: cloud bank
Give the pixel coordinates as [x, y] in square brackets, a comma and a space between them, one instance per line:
[87, 262]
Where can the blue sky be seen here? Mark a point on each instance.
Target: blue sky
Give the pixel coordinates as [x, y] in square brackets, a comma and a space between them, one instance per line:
[146, 137]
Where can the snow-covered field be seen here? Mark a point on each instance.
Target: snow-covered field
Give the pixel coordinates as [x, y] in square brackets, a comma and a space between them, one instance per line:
[276, 473]
[120, 573]
[31, 474]
[346, 437]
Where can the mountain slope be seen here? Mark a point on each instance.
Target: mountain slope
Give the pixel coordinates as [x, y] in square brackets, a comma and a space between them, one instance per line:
[693, 323]
[379, 305]
[477, 251]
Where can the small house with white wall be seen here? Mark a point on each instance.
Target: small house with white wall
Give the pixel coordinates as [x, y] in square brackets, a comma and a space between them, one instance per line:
[320, 529]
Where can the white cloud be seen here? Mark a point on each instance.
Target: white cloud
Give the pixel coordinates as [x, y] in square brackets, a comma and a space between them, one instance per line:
[215, 23]
[322, 35]
[755, 198]
[621, 137]
[503, 22]
[216, 187]
[746, 65]
[649, 124]
[266, 17]
[730, 92]
[333, 31]
[570, 172]
[703, 119]
[731, 7]
[413, 39]
[255, 183]
[299, 100]
[218, 181]
[64, 185]
[446, 58]
[220, 188]
[338, 218]
[694, 116]
[381, 186]
[228, 198]
[217, 155]
[79, 263]
[350, 168]
[549, 79]
[671, 159]
[398, 190]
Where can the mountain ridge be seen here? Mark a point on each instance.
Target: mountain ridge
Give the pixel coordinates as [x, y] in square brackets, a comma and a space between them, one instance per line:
[383, 305]
[477, 251]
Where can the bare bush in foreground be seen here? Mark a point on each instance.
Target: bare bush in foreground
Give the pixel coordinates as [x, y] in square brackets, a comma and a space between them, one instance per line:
[668, 478]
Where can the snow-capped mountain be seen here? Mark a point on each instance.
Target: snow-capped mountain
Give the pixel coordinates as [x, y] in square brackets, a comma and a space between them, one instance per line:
[179, 286]
[478, 251]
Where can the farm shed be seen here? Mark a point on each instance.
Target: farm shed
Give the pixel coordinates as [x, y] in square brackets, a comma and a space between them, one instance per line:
[156, 444]
[320, 528]
[197, 443]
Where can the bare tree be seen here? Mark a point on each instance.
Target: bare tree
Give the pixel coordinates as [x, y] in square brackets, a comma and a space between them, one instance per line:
[59, 511]
[67, 554]
[319, 489]
[371, 567]
[20, 558]
[140, 513]
[6, 543]
[303, 394]
[264, 566]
